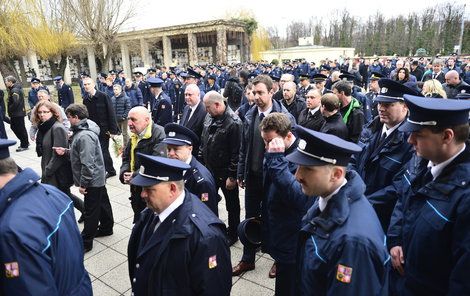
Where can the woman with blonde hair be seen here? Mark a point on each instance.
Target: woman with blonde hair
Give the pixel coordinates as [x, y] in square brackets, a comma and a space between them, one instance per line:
[433, 89]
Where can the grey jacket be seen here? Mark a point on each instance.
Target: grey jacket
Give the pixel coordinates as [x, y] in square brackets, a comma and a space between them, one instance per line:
[85, 155]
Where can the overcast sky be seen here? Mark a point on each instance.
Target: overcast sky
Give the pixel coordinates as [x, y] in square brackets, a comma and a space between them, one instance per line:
[152, 13]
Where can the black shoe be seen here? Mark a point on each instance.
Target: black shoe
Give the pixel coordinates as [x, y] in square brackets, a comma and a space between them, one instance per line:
[109, 175]
[19, 149]
[101, 233]
[87, 249]
[81, 219]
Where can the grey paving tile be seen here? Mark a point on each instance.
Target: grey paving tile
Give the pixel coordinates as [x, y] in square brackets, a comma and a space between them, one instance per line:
[103, 262]
[128, 222]
[260, 274]
[245, 287]
[119, 232]
[121, 246]
[121, 212]
[97, 248]
[101, 289]
[117, 278]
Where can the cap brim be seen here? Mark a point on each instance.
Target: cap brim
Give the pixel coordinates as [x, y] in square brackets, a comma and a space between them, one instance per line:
[302, 159]
[410, 127]
[175, 142]
[140, 180]
[382, 99]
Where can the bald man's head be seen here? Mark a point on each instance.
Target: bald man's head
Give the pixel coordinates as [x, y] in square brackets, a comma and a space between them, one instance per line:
[138, 119]
[452, 77]
[192, 95]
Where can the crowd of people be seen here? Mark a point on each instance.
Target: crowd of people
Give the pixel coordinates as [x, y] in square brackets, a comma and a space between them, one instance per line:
[355, 176]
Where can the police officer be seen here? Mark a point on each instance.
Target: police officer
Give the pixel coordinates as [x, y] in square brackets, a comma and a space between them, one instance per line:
[429, 232]
[198, 180]
[342, 249]
[143, 86]
[305, 86]
[33, 92]
[385, 149]
[178, 246]
[320, 82]
[64, 92]
[41, 250]
[373, 92]
[160, 103]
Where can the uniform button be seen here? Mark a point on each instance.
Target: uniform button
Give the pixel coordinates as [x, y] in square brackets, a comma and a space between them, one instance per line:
[132, 294]
[463, 182]
[137, 265]
[9, 199]
[31, 181]
[193, 215]
[327, 235]
[134, 280]
[174, 220]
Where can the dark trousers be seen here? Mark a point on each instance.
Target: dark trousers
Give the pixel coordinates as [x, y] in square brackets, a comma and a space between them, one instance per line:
[108, 162]
[232, 205]
[137, 203]
[98, 211]
[285, 279]
[254, 194]
[18, 127]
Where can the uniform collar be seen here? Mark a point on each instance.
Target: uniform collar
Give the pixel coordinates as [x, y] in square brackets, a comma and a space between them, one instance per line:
[387, 130]
[313, 111]
[172, 207]
[16, 186]
[436, 169]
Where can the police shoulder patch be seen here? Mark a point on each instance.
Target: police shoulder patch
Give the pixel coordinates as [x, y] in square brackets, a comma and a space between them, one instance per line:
[12, 270]
[212, 262]
[344, 274]
[204, 196]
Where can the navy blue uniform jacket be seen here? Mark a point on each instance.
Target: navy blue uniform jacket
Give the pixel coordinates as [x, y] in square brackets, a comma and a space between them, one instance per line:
[200, 182]
[161, 109]
[342, 249]
[432, 224]
[377, 164]
[187, 255]
[39, 235]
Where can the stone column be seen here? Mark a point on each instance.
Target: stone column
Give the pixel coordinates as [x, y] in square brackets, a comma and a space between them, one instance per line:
[2, 83]
[192, 49]
[221, 51]
[33, 62]
[91, 61]
[246, 52]
[126, 62]
[166, 41]
[144, 52]
[67, 75]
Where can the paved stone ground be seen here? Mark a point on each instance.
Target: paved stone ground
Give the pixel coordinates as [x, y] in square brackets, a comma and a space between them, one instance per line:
[107, 262]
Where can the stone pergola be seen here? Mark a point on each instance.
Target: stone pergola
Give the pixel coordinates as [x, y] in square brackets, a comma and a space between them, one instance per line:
[196, 43]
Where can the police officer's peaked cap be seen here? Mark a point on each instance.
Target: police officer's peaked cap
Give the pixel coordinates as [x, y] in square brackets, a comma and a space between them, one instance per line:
[275, 77]
[155, 81]
[179, 135]
[317, 149]
[430, 112]
[325, 68]
[120, 71]
[35, 80]
[156, 169]
[392, 91]
[249, 232]
[84, 74]
[463, 92]
[58, 78]
[138, 73]
[376, 76]
[212, 76]
[347, 76]
[112, 72]
[304, 76]
[193, 74]
[319, 77]
[151, 70]
[4, 150]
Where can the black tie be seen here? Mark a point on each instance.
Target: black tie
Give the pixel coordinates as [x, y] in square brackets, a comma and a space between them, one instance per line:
[428, 177]
[151, 228]
[434, 75]
[185, 118]
[261, 116]
[380, 141]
